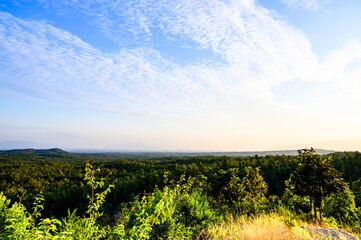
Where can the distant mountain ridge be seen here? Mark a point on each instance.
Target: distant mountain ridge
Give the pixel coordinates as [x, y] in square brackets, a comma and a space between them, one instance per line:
[161, 154]
[263, 153]
[35, 151]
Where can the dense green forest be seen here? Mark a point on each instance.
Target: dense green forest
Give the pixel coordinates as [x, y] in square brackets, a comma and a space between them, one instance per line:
[140, 196]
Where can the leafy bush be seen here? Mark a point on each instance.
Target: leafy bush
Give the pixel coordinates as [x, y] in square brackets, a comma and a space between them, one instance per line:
[341, 206]
[179, 211]
[18, 223]
[246, 196]
[356, 189]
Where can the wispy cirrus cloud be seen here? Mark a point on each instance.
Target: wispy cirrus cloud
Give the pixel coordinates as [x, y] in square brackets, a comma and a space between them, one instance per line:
[245, 35]
[308, 4]
[51, 63]
[246, 59]
[122, 21]
[257, 51]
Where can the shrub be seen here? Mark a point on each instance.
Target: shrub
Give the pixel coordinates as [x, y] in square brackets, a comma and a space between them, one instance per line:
[178, 211]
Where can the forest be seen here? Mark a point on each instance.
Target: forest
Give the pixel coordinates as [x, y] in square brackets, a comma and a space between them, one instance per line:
[60, 195]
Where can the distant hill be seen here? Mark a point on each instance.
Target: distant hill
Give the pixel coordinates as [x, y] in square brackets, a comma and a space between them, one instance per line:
[262, 153]
[36, 151]
[191, 154]
[158, 154]
[252, 153]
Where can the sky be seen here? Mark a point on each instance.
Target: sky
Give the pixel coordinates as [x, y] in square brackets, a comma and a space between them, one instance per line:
[180, 75]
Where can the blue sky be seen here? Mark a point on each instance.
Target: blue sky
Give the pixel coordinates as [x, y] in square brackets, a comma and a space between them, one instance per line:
[185, 75]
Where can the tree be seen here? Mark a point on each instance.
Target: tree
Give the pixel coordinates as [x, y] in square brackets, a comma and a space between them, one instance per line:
[254, 191]
[226, 187]
[342, 207]
[315, 178]
[244, 195]
[356, 189]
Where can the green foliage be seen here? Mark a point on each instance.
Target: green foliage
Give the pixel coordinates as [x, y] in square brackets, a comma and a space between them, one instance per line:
[349, 163]
[179, 211]
[96, 199]
[226, 187]
[356, 189]
[288, 215]
[203, 190]
[315, 178]
[244, 196]
[296, 203]
[88, 228]
[17, 223]
[341, 206]
[254, 189]
[38, 205]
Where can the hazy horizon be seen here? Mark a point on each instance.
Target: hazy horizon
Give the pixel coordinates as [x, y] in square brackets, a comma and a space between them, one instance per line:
[216, 75]
[351, 145]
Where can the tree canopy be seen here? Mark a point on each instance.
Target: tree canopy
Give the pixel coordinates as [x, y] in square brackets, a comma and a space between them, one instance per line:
[315, 178]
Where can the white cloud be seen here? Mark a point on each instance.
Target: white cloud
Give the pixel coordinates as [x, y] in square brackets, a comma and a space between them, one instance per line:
[339, 72]
[257, 50]
[230, 96]
[308, 4]
[342, 69]
[51, 63]
[245, 35]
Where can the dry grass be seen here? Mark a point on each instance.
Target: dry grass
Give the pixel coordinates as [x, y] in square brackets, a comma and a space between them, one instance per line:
[266, 227]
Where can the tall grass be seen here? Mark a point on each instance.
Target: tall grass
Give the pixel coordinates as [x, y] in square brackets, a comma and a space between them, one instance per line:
[265, 227]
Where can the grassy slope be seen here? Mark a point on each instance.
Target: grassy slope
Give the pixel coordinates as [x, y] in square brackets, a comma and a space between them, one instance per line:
[265, 227]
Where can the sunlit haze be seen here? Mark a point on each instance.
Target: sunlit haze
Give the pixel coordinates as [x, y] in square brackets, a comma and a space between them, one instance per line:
[180, 75]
